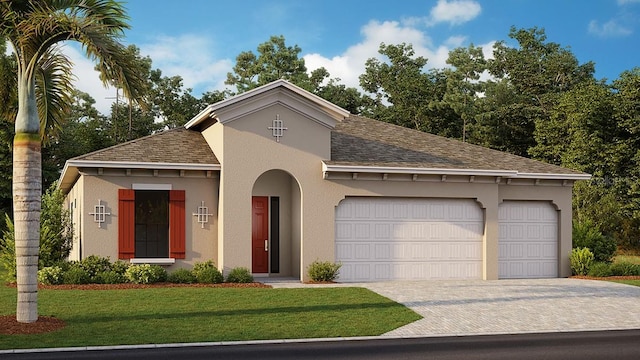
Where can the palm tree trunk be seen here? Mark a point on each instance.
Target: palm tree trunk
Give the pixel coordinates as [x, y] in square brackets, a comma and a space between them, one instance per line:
[27, 192]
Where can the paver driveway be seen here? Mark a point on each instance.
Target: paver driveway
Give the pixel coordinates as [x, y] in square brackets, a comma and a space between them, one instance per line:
[513, 306]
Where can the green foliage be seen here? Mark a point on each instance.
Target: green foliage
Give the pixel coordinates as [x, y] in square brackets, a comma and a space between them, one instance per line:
[625, 268]
[207, 273]
[94, 266]
[7, 251]
[323, 270]
[76, 274]
[146, 274]
[111, 277]
[52, 275]
[600, 269]
[586, 235]
[240, 275]
[581, 260]
[181, 276]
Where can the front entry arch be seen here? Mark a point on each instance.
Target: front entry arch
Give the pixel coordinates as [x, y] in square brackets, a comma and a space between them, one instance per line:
[276, 225]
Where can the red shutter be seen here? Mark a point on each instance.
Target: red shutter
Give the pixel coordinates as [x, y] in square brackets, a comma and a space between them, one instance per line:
[126, 223]
[176, 224]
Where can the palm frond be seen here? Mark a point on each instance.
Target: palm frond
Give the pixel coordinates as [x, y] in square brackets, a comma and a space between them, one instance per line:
[55, 84]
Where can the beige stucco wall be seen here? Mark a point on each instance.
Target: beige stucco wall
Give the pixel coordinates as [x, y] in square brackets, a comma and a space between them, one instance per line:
[247, 149]
[73, 203]
[201, 243]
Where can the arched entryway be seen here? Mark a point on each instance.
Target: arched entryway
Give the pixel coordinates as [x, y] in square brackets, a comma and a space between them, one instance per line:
[276, 225]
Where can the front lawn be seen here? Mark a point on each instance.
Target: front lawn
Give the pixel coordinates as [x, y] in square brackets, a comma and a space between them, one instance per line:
[173, 315]
[628, 282]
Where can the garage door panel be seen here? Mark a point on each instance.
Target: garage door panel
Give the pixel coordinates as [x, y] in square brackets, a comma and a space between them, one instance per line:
[410, 239]
[528, 245]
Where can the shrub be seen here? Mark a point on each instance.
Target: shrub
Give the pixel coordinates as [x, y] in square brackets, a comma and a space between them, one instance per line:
[111, 277]
[119, 267]
[94, 266]
[600, 269]
[587, 235]
[207, 273]
[181, 276]
[581, 260]
[76, 275]
[625, 268]
[146, 274]
[240, 275]
[323, 270]
[51, 275]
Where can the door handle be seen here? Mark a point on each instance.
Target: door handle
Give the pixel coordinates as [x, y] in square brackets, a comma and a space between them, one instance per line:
[266, 245]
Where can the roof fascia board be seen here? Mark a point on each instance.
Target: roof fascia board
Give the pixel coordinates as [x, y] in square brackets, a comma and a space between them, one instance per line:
[139, 165]
[443, 171]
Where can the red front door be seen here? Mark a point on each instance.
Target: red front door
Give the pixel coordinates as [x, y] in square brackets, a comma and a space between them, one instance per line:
[260, 234]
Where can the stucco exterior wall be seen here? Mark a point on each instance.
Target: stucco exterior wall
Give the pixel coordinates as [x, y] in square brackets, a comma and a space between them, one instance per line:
[73, 203]
[201, 243]
[249, 150]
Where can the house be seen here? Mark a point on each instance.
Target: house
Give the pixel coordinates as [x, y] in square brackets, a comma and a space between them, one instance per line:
[276, 177]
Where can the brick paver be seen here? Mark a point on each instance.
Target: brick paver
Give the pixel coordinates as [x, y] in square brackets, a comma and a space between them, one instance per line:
[475, 307]
[513, 306]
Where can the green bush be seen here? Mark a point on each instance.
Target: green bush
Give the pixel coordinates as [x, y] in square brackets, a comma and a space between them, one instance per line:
[51, 275]
[210, 276]
[181, 276]
[119, 267]
[146, 274]
[323, 270]
[240, 275]
[625, 268]
[111, 277]
[581, 260]
[76, 275]
[94, 266]
[587, 235]
[207, 273]
[600, 269]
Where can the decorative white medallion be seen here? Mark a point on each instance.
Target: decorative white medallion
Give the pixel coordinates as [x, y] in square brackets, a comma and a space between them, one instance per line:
[99, 213]
[277, 128]
[202, 214]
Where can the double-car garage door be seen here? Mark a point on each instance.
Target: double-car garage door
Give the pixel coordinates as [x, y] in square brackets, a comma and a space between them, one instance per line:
[381, 239]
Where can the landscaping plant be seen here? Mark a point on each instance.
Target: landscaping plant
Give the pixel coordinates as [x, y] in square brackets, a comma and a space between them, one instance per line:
[581, 260]
[146, 274]
[207, 273]
[240, 275]
[323, 270]
[181, 276]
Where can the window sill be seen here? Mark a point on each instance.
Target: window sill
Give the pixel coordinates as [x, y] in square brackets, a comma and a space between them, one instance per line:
[153, 261]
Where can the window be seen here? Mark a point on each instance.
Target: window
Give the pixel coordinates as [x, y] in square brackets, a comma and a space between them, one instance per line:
[151, 224]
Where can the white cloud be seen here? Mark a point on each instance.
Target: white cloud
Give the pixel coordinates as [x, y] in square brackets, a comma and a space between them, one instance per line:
[87, 79]
[191, 57]
[351, 63]
[624, 2]
[188, 56]
[455, 11]
[609, 29]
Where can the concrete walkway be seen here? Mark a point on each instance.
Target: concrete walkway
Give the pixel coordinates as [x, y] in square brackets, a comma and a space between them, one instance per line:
[476, 307]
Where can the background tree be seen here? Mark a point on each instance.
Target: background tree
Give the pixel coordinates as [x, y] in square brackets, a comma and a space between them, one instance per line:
[415, 97]
[34, 28]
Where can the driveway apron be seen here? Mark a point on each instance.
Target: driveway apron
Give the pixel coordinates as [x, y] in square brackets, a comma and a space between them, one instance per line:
[512, 306]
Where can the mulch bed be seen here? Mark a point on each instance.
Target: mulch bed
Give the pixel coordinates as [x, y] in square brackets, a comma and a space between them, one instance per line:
[10, 326]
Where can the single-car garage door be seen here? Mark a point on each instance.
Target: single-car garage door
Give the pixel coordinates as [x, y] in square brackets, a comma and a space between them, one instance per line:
[398, 238]
[528, 240]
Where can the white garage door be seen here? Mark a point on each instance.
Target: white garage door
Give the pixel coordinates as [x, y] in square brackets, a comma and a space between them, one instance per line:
[394, 238]
[528, 240]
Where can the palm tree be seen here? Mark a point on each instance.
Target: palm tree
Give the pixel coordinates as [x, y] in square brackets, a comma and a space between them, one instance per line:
[35, 28]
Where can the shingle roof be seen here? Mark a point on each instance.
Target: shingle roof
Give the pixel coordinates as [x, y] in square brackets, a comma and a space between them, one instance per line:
[171, 146]
[359, 141]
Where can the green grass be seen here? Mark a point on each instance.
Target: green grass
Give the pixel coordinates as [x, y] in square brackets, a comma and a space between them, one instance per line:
[172, 315]
[628, 282]
[634, 259]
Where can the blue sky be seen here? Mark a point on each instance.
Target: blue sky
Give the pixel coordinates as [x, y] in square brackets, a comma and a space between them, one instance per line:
[199, 39]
